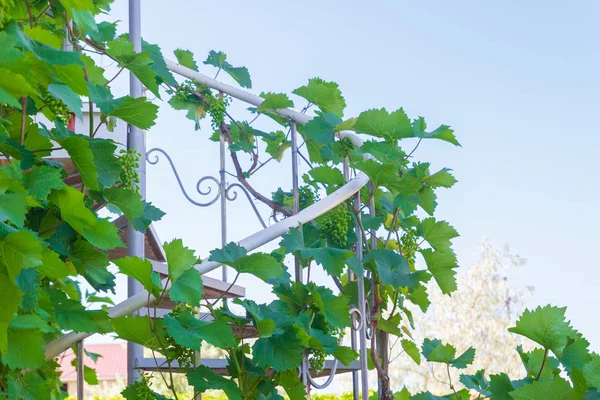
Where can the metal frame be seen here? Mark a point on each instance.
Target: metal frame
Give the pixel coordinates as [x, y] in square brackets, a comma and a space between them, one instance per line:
[361, 330]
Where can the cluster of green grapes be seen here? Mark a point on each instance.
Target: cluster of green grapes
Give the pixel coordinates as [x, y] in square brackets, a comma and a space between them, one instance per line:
[409, 247]
[183, 91]
[216, 109]
[143, 390]
[130, 162]
[56, 106]
[335, 224]
[316, 359]
[345, 147]
[307, 196]
[185, 357]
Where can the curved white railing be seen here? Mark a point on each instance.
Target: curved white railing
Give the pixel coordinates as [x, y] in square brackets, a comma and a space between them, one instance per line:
[253, 241]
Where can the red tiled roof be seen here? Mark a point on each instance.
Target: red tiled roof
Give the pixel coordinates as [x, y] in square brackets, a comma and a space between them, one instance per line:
[111, 365]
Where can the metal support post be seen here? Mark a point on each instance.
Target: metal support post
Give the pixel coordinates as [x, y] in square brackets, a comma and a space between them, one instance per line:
[364, 371]
[135, 140]
[80, 370]
[296, 195]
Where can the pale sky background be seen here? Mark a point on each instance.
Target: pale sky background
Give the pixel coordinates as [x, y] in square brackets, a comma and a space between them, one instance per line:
[518, 82]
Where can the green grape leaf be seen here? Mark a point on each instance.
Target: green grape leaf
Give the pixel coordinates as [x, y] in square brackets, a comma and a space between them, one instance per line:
[93, 265]
[280, 352]
[419, 297]
[390, 325]
[320, 129]
[261, 265]
[442, 133]
[327, 175]
[442, 265]
[332, 260]
[203, 378]
[442, 178]
[26, 350]
[29, 281]
[13, 207]
[412, 350]
[576, 354]
[52, 266]
[79, 150]
[188, 289]
[465, 359]
[149, 215]
[70, 98]
[335, 309]
[274, 101]
[427, 200]
[556, 389]
[276, 144]
[393, 269]
[477, 382]
[71, 315]
[20, 250]
[546, 326]
[179, 258]
[380, 174]
[435, 351]
[138, 330]
[325, 95]
[437, 233]
[107, 165]
[380, 123]
[501, 386]
[138, 269]
[28, 386]
[104, 235]
[138, 112]
[591, 371]
[345, 355]
[532, 361]
[158, 65]
[9, 304]
[129, 202]
[189, 331]
[386, 152]
[291, 383]
[239, 74]
[41, 181]
[186, 58]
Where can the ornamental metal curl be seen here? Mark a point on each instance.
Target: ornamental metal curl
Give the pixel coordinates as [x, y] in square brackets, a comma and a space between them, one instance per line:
[198, 184]
[234, 196]
[329, 378]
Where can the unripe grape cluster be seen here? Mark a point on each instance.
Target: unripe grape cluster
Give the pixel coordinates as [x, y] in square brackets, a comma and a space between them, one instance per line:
[130, 162]
[306, 197]
[56, 106]
[316, 359]
[217, 108]
[335, 224]
[143, 390]
[409, 247]
[345, 147]
[184, 356]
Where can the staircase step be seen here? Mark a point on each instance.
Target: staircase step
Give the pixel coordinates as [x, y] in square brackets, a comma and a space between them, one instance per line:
[219, 366]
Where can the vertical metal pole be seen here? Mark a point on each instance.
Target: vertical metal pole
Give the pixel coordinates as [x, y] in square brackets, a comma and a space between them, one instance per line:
[351, 277]
[80, 372]
[361, 306]
[223, 187]
[135, 140]
[296, 195]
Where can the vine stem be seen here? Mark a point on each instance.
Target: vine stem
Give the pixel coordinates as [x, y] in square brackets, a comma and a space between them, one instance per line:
[537, 378]
[450, 382]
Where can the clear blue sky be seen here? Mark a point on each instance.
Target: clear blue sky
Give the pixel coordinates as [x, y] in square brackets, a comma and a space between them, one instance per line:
[518, 81]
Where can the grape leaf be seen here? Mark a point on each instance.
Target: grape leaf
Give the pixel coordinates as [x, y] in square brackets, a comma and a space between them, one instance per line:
[13, 207]
[555, 389]
[442, 178]
[188, 331]
[138, 330]
[138, 269]
[70, 98]
[393, 269]
[441, 264]
[79, 150]
[436, 351]
[26, 350]
[138, 112]
[20, 250]
[412, 350]
[188, 289]
[179, 258]
[437, 233]
[546, 326]
[345, 355]
[41, 181]
[129, 202]
[443, 132]
[9, 303]
[261, 265]
[477, 382]
[274, 101]
[281, 352]
[325, 95]
[327, 175]
[186, 58]
[203, 378]
[332, 260]
[239, 74]
[380, 123]
[591, 371]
